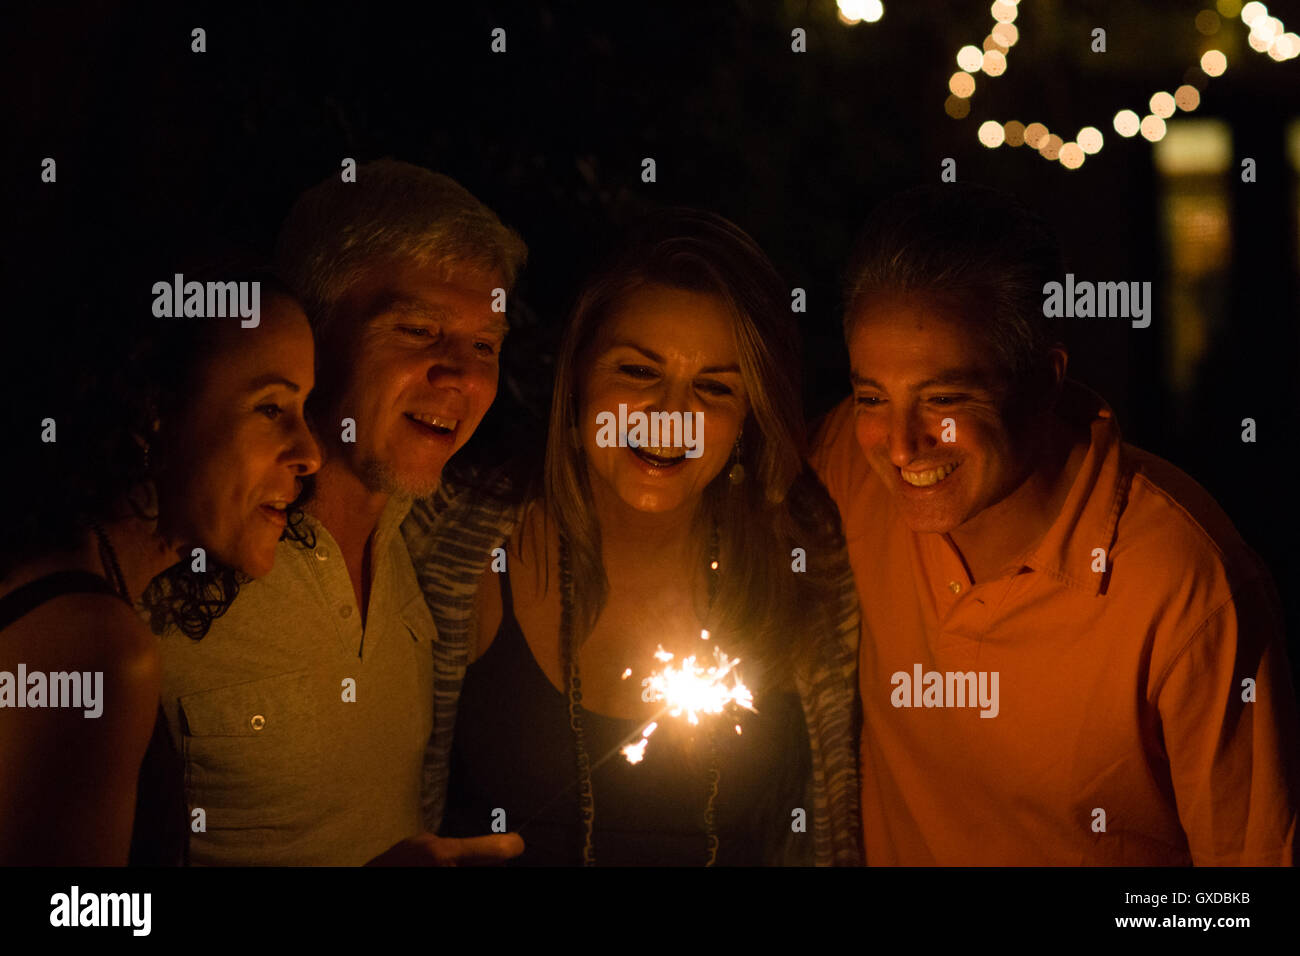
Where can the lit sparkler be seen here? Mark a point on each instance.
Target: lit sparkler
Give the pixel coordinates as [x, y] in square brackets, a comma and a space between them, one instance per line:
[692, 690]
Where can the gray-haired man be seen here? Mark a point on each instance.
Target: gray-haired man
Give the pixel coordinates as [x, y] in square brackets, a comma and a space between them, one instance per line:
[303, 715]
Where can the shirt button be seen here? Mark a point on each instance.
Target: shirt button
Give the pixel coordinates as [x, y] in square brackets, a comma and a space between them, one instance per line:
[322, 553]
[345, 611]
[257, 722]
[954, 587]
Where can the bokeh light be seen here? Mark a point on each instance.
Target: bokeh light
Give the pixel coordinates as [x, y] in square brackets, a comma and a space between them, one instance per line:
[1153, 128]
[1005, 34]
[991, 133]
[1213, 62]
[1127, 123]
[1003, 11]
[1072, 155]
[1187, 97]
[1090, 140]
[1162, 105]
[970, 57]
[855, 11]
[995, 64]
[1252, 12]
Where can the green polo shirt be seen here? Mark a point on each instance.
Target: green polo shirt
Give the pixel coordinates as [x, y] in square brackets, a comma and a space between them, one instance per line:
[302, 734]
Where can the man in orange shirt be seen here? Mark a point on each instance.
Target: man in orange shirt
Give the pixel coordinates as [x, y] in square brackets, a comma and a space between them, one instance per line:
[1069, 656]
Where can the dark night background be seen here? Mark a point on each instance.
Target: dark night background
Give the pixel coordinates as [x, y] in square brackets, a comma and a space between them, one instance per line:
[161, 150]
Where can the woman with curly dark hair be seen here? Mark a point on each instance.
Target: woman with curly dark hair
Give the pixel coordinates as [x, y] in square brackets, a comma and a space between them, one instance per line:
[142, 445]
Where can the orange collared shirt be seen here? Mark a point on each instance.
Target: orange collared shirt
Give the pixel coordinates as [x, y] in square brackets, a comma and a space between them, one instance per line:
[1064, 714]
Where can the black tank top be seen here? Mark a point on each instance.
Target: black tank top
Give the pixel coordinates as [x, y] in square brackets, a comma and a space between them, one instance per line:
[33, 594]
[158, 836]
[514, 751]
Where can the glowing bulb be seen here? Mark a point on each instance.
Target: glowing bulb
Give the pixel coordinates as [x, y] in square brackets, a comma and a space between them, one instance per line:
[991, 134]
[1252, 12]
[1162, 105]
[969, 58]
[1003, 11]
[1228, 8]
[1051, 147]
[1035, 135]
[1071, 155]
[854, 11]
[1213, 62]
[995, 64]
[1187, 97]
[956, 107]
[1005, 34]
[962, 84]
[1266, 28]
[1257, 42]
[1014, 133]
[1090, 140]
[1153, 128]
[1127, 123]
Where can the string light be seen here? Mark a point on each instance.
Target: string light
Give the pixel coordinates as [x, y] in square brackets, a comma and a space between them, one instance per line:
[855, 11]
[962, 84]
[1187, 97]
[1127, 123]
[1153, 128]
[1090, 140]
[994, 63]
[992, 134]
[1072, 156]
[1213, 63]
[1162, 105]
[1267, 35]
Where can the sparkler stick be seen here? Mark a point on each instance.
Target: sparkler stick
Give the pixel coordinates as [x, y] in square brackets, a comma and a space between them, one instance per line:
[689, 690]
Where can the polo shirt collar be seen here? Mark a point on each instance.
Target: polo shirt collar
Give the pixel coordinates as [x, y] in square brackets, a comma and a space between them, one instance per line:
[1090, 515]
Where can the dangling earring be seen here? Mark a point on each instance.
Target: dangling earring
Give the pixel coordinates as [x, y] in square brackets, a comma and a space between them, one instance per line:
[154, 425]
[737, 473]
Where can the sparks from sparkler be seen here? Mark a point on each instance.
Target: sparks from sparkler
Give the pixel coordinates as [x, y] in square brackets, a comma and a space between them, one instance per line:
[692, 690]
[675, 696]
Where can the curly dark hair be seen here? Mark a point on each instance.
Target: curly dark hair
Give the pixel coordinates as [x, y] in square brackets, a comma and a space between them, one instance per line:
[93, 377]
[189, 601]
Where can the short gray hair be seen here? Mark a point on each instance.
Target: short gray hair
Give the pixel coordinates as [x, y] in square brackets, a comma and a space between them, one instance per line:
[394, 211]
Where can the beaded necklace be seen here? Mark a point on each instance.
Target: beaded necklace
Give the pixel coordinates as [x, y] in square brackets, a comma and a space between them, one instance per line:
[108, 558]
[573, 687]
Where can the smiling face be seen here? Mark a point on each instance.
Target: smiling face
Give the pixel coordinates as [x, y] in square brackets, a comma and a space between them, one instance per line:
[662, 350]
[915, 364]
[419, 367]
[239, 448]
